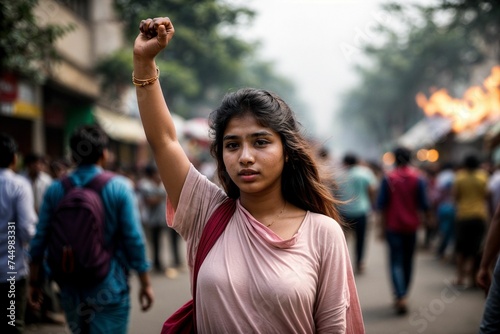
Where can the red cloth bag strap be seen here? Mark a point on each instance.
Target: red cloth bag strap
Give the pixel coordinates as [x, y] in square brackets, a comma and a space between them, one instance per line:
[212, 231]
[354, 316]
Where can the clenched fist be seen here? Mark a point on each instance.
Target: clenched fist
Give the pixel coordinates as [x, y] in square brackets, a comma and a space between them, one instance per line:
[154, 36]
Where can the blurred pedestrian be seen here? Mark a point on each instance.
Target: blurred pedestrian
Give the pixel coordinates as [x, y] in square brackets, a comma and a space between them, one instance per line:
[490, 323]
[153, 205]
[328, 168]
[470, 192]
[357, 190]
[281, 265]
[494, 181]
[17, 226]
[102, 307]
[430, 224]
[59, 168]
[127, 173]
[35, 172]
[401, 200]
[445, 208]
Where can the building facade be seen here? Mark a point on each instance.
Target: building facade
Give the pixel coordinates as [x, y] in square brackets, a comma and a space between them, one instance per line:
[41, 117]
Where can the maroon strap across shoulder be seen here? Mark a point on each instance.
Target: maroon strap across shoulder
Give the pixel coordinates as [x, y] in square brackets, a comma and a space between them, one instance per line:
[212, 231]
[96, 184]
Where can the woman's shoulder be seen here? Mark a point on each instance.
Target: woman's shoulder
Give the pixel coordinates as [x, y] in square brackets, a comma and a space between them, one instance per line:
[199, 196]
[323, 223]
[325, 235]
[197, 183]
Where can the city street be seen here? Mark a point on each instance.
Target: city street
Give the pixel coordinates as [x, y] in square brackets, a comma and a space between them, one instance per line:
[386, 105]
[435, 306]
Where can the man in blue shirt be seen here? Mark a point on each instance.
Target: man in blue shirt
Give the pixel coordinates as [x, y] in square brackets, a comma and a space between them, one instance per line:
[105, 307]
[17, 226]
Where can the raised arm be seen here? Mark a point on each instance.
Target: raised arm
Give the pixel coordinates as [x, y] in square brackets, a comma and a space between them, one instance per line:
[171, 159]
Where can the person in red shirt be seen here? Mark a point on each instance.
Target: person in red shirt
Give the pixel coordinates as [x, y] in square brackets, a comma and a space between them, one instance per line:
[402, 197]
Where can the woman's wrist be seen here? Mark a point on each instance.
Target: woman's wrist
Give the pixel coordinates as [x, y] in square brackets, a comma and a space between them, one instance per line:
[144, 69]
[144, 82]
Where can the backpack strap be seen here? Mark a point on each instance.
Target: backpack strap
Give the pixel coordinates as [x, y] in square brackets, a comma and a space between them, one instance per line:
[67, 184]
[96, 184]
[99, 181]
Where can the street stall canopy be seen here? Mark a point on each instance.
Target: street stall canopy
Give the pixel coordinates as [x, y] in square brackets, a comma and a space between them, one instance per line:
[120, 127]
[477, 133]
[426, 133]
[492, 137]
[127, 128]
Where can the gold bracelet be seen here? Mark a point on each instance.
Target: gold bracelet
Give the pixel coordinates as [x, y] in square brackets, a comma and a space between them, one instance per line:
[145, 82]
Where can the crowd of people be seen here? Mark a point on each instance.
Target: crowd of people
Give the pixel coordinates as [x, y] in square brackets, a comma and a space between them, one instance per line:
[455, 203]
[446, 208]
[31, 190]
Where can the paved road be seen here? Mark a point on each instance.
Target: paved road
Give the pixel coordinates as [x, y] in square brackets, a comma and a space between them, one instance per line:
[435, 306]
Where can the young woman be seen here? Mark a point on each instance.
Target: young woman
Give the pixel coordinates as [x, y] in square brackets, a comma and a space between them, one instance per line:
[281, 265]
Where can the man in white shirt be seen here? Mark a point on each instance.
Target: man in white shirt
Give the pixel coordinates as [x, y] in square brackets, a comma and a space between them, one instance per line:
[17, 226]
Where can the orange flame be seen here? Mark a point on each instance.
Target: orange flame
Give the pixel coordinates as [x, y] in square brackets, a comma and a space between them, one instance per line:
[478, 104]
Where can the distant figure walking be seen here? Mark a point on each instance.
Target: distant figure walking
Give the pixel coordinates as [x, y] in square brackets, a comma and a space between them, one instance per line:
[357, 190]
[470, 192]
[38, 178]
[445, 208]
[153, 206]
[401, 199]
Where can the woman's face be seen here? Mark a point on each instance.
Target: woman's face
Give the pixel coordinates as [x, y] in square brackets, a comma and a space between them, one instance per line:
[253, 155]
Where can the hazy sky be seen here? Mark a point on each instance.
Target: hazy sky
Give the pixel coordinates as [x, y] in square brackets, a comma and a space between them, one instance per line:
[315, 43]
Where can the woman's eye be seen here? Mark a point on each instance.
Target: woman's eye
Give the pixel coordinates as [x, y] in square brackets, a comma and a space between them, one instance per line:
[231, 145]
[261, 142]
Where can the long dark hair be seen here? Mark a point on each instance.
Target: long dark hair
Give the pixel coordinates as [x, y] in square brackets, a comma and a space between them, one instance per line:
[301, 182]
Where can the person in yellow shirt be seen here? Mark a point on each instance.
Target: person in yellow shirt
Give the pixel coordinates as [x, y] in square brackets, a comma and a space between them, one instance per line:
[470, 192]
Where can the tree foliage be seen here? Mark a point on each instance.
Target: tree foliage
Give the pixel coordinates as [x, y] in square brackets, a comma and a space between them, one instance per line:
[26, 47]
[479, 18]
[204, 60]
[429, 49]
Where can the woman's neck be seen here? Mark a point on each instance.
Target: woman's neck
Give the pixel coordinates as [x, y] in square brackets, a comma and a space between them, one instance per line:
[262, 206]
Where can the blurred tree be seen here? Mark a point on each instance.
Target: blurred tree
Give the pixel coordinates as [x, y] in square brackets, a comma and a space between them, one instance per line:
[26, 47]
[427, 49]
[479, 18]
[205, 58]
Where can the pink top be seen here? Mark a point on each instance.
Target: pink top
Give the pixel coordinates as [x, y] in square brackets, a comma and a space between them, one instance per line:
[252, 281]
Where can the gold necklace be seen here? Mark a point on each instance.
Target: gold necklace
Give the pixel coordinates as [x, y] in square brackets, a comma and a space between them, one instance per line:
[277, 217]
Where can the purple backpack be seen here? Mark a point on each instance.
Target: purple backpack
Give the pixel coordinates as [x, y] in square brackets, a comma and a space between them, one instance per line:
[77, 252]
